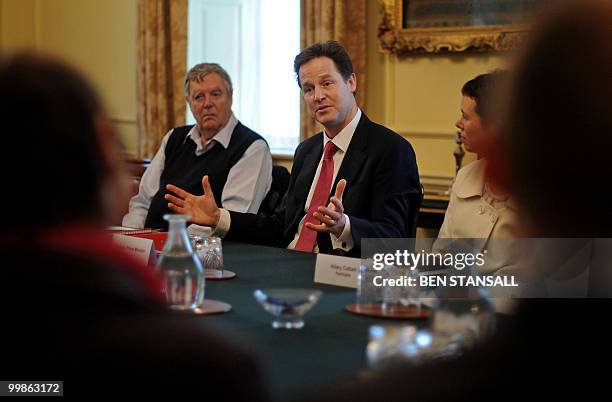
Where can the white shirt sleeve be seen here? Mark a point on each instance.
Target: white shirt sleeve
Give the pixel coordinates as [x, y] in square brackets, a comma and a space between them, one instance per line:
[225, 220]
[149, 185]
[249, 180]
[345, 241]
[204, 231]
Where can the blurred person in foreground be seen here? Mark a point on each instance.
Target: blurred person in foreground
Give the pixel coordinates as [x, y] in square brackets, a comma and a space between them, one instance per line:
[74, 308]
[557, 135]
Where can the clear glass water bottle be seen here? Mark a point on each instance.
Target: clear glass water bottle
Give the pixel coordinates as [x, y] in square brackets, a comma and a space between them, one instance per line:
[181, 268]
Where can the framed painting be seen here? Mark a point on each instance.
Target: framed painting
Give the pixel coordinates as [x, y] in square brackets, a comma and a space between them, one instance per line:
[432, 26]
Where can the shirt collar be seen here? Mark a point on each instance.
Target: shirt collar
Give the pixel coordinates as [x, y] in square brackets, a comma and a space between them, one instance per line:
[472, 181]
[343, 138]
[223, 137]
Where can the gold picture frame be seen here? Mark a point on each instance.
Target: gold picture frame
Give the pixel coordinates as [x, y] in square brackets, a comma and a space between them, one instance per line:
[396, 38]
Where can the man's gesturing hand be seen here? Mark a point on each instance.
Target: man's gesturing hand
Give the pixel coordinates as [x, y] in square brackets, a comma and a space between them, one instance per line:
[331, 217]
[203, 208]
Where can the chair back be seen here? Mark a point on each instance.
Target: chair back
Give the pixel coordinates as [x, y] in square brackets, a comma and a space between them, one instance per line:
[415, 199]
[280, 184]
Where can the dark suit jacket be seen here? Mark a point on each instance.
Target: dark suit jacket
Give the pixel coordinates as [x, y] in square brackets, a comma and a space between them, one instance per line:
[381, 173]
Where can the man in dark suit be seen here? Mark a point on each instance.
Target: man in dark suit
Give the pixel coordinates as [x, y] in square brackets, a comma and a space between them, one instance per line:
[547, 350]
[368, 170]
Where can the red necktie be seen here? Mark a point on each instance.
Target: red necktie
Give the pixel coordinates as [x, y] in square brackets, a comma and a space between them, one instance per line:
[308, 238]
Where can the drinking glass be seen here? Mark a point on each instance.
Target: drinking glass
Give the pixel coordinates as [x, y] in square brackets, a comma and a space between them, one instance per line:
[210, 251]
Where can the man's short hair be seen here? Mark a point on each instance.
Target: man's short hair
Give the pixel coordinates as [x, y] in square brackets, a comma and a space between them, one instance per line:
[483, 89]
[331, 49]
[199, 71]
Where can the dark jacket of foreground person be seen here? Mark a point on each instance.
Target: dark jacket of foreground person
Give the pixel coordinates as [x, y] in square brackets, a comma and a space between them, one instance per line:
[77, 310]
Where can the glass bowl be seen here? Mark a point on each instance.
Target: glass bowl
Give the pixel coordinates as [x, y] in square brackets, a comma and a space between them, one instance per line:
[287, 305]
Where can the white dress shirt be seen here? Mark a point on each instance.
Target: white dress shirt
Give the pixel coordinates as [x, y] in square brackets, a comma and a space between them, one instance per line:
[243, 191]
[341, 141]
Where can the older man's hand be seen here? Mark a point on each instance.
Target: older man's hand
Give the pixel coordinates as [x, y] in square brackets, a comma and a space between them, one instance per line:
[331, 217]
[203, 209]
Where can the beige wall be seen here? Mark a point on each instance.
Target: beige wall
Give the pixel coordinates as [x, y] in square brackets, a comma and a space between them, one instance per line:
[416, 96]
[97, 36]
[419, 97]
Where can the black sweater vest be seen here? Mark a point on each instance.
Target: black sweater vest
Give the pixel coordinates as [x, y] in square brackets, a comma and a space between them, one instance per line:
[185, 169]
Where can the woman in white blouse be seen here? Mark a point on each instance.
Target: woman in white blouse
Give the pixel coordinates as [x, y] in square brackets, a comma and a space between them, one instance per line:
[477, 210]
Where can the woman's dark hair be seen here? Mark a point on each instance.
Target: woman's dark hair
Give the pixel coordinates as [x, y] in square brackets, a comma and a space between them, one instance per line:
[484, 90]
[53, 168]
[330, 49]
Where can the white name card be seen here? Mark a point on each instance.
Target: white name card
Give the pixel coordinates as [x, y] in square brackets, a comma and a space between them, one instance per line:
[141, 249]
[336, 270]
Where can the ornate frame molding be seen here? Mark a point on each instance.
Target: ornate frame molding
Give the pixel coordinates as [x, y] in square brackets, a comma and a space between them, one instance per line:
[394, 39]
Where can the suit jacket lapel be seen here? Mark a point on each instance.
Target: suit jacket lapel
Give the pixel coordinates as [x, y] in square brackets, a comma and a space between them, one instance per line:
[302, 186]
[306, 175]
[356, 154]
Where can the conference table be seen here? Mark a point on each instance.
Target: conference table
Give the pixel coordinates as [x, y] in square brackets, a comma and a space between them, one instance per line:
[333, 342]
